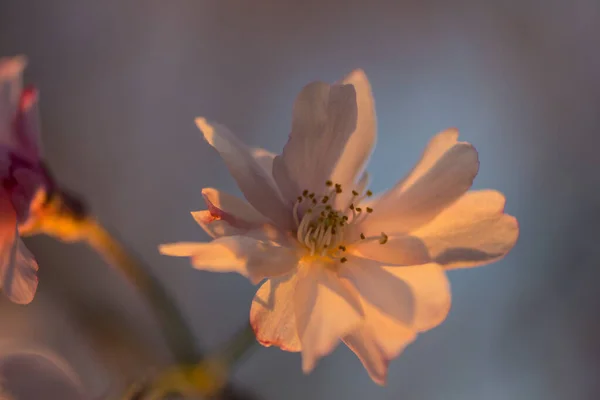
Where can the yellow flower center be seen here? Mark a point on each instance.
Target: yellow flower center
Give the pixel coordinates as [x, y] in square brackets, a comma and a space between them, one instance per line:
[322, 229]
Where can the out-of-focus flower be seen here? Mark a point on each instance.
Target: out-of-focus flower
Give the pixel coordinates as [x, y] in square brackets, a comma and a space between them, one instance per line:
[340, 263]
[22, 174]
[27, 374]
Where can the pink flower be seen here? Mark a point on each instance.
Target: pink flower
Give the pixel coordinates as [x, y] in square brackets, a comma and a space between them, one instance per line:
[22, 174]
[340, 264]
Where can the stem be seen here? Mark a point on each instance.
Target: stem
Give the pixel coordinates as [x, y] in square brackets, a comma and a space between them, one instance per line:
[175, 329]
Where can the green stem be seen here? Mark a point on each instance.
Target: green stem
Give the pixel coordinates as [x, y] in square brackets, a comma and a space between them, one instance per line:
[175, 329]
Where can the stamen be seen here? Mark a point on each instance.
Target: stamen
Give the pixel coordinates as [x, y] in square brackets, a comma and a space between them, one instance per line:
[369, 210]
[384, 238]
[362, 236]
[354, 193]
[329, 183]
[369, 193]
[325, 199]
[343, 260]
[305, 193]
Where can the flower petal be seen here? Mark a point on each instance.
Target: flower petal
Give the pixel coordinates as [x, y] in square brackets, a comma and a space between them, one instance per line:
[417, 296]
[234, 210]
[326, 309]
[359, 147]
[27, 125]
[401, 212]
[254, 259]
[264, 158]
[11, 86]
[473, 231]
[248, 173]
[18, 268]
[214, 226]
[38, 374]
[378, 340]
[19, 119]
[398, 250]
[272, 313]
[324, 120]
[436, 148]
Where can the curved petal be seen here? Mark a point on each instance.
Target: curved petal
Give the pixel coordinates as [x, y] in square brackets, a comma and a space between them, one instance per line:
[231, 209]
[11, 86]
[359, 147]
[18, 268]
[248, 173]
[399, 212]
[214, 226]
[33, 374]
[264, 158]
[324, 120]
[326, 309]
[378, 340]
[272, 314]
[27, 125]
[254, 259]
[417, 296]
[435, 149]
[398, 250]
[471, 232]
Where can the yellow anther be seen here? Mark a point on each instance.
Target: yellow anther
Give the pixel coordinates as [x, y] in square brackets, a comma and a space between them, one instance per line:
[369, 193]
[329, 183]
[369, 210]
[358, 209]
[351, 206]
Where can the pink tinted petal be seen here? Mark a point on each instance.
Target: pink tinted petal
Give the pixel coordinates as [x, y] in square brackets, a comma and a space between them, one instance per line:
[18, 268]
[398, 250]
[11, 70]
[416, 296]
[449, 178]
[471, 232]
[247, 256]
[27, 125]
[250, 176]
[351, 165]
[324, 120]
[436, 148]
[378, 340]
[326, 309]
[231, 209]
[264, 158]
[32, 374]
[214, 226]
[272, 314]
[363, 343]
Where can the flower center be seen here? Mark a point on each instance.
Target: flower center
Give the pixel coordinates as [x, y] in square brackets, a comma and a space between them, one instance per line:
[321, 229]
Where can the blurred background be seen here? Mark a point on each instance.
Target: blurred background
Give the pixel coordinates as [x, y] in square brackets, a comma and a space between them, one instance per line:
[122, 80]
